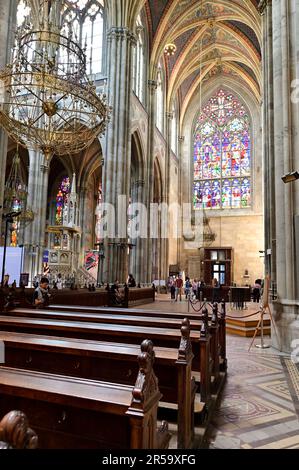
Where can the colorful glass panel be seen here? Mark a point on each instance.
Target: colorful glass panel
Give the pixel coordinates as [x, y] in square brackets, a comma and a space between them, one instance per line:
[216, 194]
[61, 198]
[222, 154]
[197, 197]
[245, 193]
[236, 193]
[226, 194]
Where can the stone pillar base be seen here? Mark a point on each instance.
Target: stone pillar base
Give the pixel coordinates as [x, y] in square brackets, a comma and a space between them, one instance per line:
[286, 317]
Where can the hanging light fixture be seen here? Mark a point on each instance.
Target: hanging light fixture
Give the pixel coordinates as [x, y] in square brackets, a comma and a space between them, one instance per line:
[15, 200]
[49, 103]
[170, 49]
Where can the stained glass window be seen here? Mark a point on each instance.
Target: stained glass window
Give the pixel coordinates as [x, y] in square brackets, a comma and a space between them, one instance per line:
[61, 199]
[23, 11]
[85, 19]
[174, 129]
[139, 61]
[160, 100]
[222, 155]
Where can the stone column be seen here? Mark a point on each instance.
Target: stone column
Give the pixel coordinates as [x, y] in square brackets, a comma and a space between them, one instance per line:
[286, 159]
[116, 177]
[165, 241]
[37, 201]
[180, 194]
[150, 173]
[136, 255]
[268, 141]
[8, 10]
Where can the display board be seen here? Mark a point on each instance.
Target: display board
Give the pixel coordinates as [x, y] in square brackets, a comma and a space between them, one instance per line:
[13, 263]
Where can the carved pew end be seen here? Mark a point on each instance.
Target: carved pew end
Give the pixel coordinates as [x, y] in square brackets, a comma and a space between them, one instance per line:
[144, 406]
[15, 432]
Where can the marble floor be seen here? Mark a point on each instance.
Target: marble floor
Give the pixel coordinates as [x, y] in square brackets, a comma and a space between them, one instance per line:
[259, 408]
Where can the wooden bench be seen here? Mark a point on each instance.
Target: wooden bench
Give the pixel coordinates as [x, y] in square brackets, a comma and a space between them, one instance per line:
[135, 317]
[169, 338]
[146, 318]
[146, 313]
[70, 412]
[15, 432]
[128, 319]
[24, 297]
[111, 362]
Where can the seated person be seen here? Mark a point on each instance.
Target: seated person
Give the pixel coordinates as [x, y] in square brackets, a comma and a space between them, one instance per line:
[117, 297]
[131, 281]
[41, 293]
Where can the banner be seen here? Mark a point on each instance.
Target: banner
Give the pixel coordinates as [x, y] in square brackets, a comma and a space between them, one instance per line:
[91, 263]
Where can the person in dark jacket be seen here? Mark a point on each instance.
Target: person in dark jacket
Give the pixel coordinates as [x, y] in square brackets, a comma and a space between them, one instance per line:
[131, 281]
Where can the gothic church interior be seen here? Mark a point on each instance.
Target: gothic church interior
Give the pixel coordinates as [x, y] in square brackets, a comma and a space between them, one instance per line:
[148, 167]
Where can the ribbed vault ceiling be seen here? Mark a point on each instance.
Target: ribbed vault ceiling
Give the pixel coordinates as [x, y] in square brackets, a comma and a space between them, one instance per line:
[213, 37]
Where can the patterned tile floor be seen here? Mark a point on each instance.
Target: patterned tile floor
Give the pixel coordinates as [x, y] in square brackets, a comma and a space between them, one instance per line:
[260, 398]
[257, 409]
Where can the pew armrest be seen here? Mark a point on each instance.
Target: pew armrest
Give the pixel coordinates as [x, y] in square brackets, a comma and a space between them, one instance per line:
[15, 432]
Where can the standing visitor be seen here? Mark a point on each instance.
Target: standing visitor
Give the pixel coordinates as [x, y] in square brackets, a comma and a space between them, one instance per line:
[172, 288]
[178, 288]
[188, 286]
[194, 287]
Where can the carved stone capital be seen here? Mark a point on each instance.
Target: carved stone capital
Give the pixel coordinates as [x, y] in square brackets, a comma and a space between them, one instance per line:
[152, 84]
[263, 5]
[44, 168]
[121, 34]
[140, 183]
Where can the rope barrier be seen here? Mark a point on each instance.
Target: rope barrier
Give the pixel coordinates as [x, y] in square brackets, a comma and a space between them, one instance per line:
[203, 305]
[227, 316]
[241, 318]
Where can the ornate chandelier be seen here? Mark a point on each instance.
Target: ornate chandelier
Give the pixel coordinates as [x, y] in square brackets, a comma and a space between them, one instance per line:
[49, 103]
[15, 200]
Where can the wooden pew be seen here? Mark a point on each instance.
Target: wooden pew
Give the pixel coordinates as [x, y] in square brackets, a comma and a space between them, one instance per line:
[120, 311]
[112, 315]
[169, 338]
[128, 319]
[194, 317]
[24, 297]
[75, 413]
[15, 432]
[88, 313]
[111, 362]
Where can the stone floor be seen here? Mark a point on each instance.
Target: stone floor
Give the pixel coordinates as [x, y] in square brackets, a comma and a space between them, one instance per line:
[260, 398]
